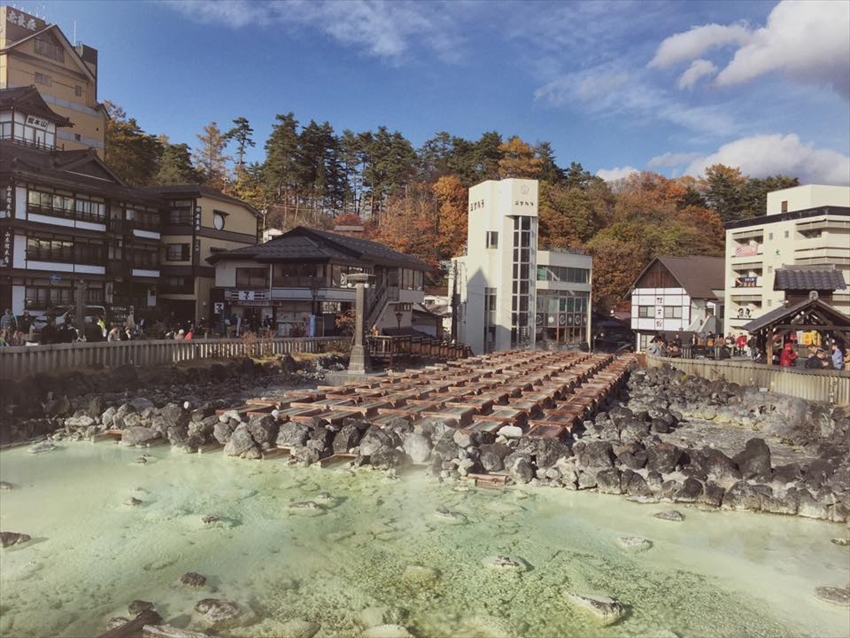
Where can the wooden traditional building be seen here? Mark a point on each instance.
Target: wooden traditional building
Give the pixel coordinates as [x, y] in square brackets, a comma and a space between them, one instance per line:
[72, 233]
[298, 283]
[677, 295]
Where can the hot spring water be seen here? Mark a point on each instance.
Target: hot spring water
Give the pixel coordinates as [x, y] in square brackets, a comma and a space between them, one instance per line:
[408, 552]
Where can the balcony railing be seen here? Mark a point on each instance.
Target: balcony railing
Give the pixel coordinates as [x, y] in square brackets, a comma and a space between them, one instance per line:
[39, 144]
[65, 213]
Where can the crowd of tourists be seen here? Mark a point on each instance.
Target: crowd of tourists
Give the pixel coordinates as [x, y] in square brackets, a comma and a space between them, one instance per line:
[831, 357]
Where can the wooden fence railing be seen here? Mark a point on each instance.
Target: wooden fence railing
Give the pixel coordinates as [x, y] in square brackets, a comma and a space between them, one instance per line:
[831, 386]
[22, 361]
[394, 349]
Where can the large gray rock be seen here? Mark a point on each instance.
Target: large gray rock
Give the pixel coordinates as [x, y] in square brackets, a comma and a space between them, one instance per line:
[547, 452]
[175, 416]
[138, 435]
[217, 612]
[754, 461]
[519, 468]
[292, 434]
[606, 610]
[374, 439]
[388, 458]
[417, 447]
[635, 485]
[347, 438]
[594, 455]
[7, 539]
[743, 496]
[222, 431]
[690, 491]
[608, 481]
[240, 442]
[263, 429]
[662, 457]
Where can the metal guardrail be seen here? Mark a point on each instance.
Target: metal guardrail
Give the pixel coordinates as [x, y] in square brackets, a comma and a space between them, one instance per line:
[830, 386]
[17, 362]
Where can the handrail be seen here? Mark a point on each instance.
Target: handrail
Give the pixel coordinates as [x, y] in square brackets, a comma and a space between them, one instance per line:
[17, 362]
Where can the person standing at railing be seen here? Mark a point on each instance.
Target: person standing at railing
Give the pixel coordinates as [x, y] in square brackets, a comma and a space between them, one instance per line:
[837, 356]
[8, 321]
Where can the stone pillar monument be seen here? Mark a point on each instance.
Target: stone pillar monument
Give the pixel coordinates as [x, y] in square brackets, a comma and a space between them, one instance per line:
[359, 361]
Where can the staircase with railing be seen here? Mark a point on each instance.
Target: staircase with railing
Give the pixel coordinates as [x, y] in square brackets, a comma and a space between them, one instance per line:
[377, 301]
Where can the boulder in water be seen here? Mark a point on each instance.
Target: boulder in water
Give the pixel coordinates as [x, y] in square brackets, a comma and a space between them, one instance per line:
[7, 539]
[607, 610]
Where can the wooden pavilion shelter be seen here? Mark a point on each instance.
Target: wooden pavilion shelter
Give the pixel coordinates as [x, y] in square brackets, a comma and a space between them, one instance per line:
[810, 314]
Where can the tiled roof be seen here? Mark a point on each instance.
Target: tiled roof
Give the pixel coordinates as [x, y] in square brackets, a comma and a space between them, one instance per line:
[805, 279]
[789, 312]
[29, 100]
[307, 244]
[81, 170]
[699, 275]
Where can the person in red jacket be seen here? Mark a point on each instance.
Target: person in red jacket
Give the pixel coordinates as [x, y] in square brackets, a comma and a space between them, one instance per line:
[788, 356]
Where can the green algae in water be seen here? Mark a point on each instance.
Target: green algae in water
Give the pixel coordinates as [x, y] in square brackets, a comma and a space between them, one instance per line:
[379, 554]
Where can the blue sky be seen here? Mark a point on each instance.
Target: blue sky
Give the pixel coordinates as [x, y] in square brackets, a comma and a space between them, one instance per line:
[669, 86]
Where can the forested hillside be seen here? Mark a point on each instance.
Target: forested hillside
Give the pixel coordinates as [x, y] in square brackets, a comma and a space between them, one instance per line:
[415, 199]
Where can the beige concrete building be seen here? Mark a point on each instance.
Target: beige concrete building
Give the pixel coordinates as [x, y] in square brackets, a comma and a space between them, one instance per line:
[805, 228]
[36, 53]
[201, 222]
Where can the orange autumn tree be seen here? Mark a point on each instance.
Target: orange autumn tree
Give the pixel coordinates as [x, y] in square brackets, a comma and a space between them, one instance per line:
[653, 216]
[409, 223]
[519, 160]
[452, 216]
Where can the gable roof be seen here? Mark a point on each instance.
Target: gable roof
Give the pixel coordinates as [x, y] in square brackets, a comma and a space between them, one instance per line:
[699, 275]
[56, 32]
[809, 279]
[308, 244]
[27, 99]
[81, 171]
[815, 305]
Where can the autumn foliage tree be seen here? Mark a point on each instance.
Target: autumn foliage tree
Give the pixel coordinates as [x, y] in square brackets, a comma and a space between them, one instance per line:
[652, 216]
[452, 216]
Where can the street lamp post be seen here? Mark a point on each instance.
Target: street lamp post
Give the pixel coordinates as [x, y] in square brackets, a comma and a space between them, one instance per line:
[398, 317]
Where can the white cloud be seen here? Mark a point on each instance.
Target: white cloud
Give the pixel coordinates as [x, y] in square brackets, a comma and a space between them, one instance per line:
[614, 174]
[608, 90]
[698, 69]
[807, 40]
[810, 41]
[764, 155]
[672, 160]
[692, 44]
[381, 29]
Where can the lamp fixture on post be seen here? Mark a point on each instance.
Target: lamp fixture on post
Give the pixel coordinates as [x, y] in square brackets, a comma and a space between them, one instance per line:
[398, 316]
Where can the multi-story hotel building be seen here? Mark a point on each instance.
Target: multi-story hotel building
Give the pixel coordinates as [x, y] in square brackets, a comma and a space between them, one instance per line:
[507, 293]
[35, 53]
[805, 227]
[72, 233]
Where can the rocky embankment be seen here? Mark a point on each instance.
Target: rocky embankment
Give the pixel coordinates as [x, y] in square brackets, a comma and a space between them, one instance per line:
[36, 406]
[674, 438]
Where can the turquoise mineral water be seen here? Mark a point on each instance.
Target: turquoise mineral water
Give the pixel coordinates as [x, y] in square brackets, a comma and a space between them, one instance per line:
[379, 551]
